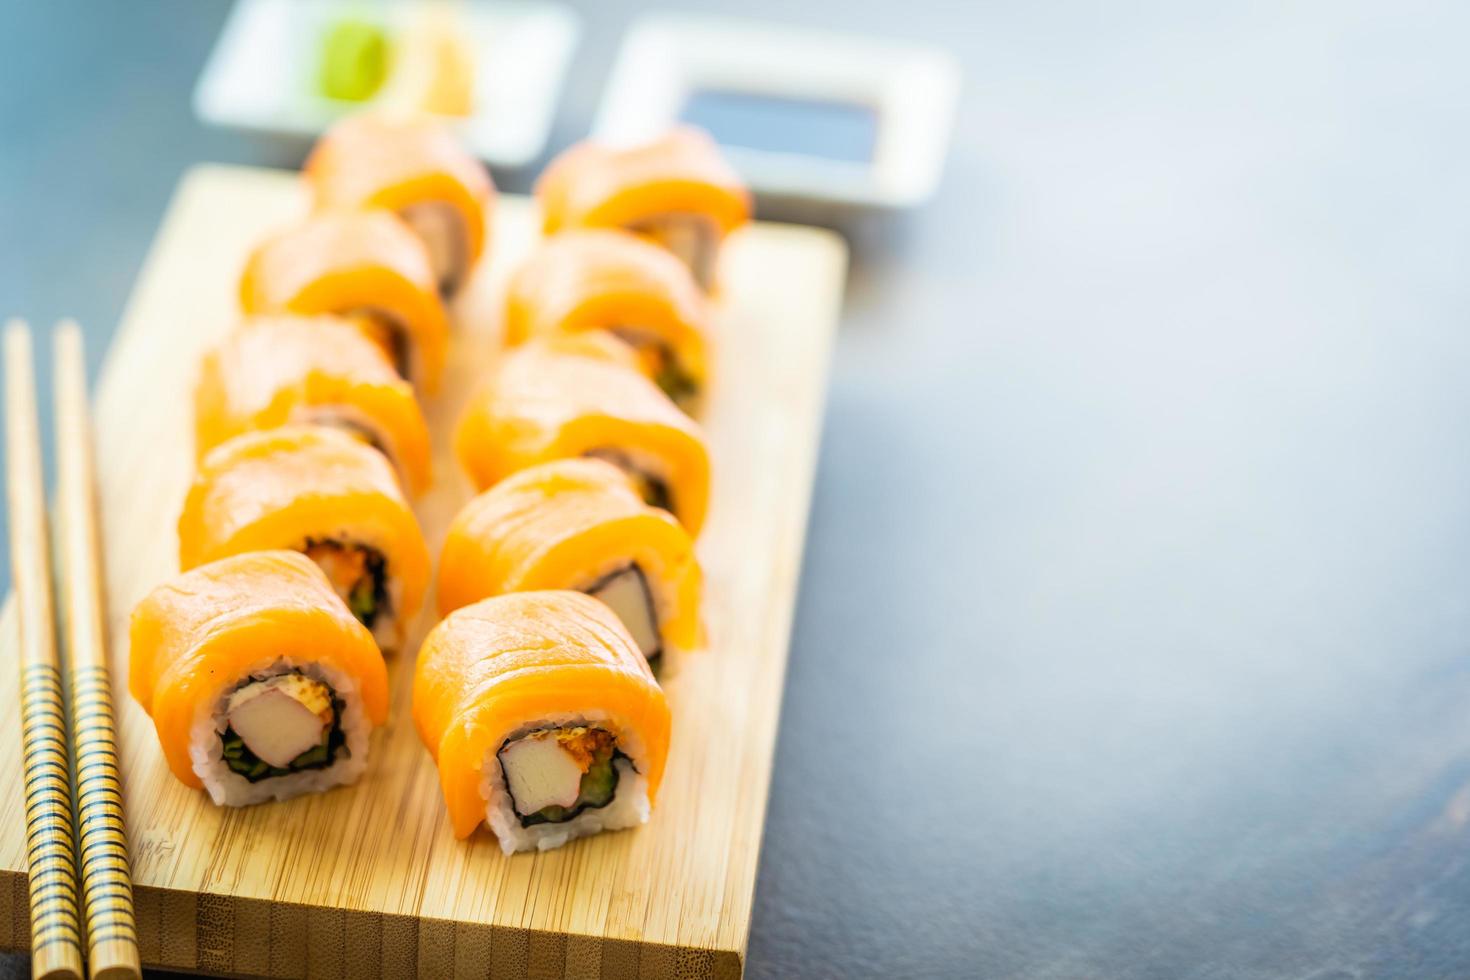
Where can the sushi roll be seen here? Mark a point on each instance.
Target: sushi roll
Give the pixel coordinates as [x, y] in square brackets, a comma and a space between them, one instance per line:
[260, 683]
[677, 191]
[600, 279]
[543, 718]
[325, 494]
[578, 524]
[413, 166]
[278, 370]
[550, 401]
[367, 265]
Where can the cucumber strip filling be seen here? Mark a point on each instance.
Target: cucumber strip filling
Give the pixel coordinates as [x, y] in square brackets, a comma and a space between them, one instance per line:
[660, 361]
[675, 382]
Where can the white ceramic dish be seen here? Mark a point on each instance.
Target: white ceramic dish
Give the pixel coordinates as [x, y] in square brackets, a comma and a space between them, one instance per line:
[885, 109]
[261, 74]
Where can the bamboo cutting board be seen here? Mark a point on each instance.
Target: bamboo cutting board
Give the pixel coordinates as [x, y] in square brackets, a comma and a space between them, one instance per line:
[368, 881]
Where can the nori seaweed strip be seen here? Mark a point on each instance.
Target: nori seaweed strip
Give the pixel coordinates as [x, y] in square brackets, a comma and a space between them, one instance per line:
[670, 376]
[393, 333]
[655, 492]
[459, 266]
[360, 432]
[675, 382]
[398, 340]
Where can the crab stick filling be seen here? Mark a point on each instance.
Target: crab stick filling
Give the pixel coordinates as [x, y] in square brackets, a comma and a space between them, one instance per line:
[626, 593]
[442, 228]
[281, 724]
[553, 774]
[694, 238]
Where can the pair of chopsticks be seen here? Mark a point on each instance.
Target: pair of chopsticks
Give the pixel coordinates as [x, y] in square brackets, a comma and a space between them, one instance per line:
[95, 844]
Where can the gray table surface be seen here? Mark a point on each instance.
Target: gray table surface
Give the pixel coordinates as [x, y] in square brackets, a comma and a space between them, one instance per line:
[1134, 633]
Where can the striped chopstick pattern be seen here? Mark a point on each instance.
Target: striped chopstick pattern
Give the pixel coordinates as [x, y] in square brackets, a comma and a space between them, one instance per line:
[107, 890]
[56, 939]
[50, 857]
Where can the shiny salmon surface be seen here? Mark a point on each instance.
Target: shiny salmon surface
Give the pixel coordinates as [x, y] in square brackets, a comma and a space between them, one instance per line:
[275, 370]
[601, 279]
[593, 185]
[287, 487]
[541, 403]
[351, 263]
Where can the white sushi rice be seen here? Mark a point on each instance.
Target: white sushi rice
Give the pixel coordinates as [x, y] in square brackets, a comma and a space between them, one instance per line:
[229, 788]
[388, 629]
[629, 806]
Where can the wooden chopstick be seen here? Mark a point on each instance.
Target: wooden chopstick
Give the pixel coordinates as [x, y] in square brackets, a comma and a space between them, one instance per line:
[107, 888]
[56, 932]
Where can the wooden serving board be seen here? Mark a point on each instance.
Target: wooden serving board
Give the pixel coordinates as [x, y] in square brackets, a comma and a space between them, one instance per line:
[368, 881]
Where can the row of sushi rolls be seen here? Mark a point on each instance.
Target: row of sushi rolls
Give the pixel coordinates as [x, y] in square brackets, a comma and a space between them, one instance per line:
[566, 587]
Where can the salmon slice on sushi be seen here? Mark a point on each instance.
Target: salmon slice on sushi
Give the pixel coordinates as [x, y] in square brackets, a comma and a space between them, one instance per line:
[578, 524]
[260, 683]
[413, 166]
[544, 720]
[318, 491]
[284, 369]
[677, 191]
[601, 279]
[365, 265]
[547, 401]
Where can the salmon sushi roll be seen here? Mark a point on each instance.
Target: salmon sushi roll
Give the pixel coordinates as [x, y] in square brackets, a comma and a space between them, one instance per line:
[543, 717]
[545, 402]
[578, 524]
[413, 166]
[279, 370]
[325, 494]
[365, 265]
[600, 279]
[260, 683]
[677, 191]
